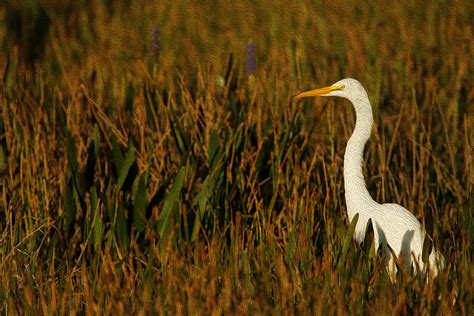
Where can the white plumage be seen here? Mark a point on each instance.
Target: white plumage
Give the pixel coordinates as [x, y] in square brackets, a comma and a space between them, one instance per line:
[392, 223]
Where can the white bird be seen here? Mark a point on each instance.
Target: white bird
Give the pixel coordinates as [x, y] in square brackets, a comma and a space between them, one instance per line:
[393, 224]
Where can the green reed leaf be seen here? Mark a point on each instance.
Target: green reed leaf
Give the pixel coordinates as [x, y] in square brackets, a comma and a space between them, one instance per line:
[139, 204]
[348, 241]
[169, 206]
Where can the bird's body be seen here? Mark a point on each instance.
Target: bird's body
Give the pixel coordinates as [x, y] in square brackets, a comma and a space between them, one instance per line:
[393, 224]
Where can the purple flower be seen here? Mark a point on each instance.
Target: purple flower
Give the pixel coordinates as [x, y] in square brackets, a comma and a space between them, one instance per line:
[155, 40]
[250, 61]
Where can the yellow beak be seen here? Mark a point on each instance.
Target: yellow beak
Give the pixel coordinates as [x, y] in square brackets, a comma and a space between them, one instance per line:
[316, 92]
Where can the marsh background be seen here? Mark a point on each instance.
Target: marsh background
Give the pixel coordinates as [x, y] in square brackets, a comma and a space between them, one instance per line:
[151, 159]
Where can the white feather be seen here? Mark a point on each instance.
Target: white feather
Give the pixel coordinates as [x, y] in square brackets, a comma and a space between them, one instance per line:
[393, 224]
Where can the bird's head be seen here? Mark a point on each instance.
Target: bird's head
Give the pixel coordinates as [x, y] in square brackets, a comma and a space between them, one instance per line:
[346, 88]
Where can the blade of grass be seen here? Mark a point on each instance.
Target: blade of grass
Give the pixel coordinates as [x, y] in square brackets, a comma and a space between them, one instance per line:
[164, 224]
[347, 241]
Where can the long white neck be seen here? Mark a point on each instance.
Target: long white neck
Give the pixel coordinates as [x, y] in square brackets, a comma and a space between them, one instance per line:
[358, 199]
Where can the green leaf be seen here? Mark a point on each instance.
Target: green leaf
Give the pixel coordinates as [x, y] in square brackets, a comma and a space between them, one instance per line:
[121, 226]
[98, 226]
[125, 167]
[139, 204]
[117, 154]
[201, 201]
[368, 245]
[348, 241]
[170, 204]
[291, 250]
[213, 147]
[9, 76]
[178, 133]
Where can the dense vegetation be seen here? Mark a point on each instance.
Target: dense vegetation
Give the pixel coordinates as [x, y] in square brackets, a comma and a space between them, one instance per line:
[151, 159]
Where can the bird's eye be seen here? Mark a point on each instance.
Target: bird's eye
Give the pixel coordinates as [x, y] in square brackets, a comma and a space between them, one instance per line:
[343, 87]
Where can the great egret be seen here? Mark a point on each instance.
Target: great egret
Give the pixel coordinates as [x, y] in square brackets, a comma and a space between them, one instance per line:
[393, 224]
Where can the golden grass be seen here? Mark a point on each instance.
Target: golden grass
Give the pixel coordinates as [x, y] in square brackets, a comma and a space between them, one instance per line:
[98, 130]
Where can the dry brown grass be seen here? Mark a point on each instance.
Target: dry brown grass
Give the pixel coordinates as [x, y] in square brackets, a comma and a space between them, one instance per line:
[97, 132]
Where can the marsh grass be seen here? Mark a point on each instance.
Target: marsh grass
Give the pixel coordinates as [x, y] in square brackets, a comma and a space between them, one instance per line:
[136, 181]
